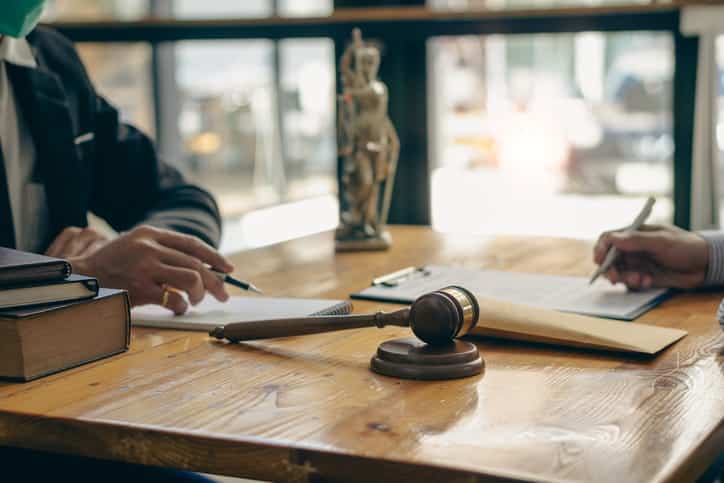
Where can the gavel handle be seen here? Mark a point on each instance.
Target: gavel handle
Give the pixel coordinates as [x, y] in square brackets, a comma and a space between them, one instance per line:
[267, 329]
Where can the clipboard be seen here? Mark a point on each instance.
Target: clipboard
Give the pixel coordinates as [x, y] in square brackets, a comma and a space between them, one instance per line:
[555, 292]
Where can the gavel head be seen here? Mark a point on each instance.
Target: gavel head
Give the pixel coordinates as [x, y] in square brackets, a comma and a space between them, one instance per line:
[439, 317]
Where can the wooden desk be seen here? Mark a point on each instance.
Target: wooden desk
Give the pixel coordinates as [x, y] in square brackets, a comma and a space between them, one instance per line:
[303, 409]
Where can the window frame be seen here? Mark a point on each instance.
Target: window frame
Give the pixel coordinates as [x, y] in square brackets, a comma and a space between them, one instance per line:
[404, 32]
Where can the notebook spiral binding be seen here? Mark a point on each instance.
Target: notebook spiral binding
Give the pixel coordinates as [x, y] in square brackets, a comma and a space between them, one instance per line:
[342, 308]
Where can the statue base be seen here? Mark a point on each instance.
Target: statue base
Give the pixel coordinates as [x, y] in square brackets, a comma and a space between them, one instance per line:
[352, 244]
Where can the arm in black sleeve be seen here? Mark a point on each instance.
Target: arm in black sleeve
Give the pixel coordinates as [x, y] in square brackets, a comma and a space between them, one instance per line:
[132, 186]
[128, 184]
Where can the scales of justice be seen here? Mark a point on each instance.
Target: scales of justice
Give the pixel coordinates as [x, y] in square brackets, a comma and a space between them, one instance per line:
[369, 149]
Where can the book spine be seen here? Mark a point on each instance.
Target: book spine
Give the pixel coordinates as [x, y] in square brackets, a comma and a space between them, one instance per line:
[92, 285]
[127, 303]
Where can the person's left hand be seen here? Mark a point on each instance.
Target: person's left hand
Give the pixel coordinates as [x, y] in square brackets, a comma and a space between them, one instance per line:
[76, 242]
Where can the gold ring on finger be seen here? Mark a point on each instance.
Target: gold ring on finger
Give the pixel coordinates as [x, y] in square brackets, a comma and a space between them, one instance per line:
[167, 291]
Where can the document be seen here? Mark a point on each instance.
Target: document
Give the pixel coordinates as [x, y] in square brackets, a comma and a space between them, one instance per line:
[562, 293]
[210, 313]
[507, 320]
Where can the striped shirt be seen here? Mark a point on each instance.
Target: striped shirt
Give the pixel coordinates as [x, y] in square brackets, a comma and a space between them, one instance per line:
[715, 270]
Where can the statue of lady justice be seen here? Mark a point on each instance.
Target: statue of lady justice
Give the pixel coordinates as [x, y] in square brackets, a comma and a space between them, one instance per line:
[369, 147]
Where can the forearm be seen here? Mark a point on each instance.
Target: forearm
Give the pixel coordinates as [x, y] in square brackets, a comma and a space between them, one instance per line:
[189, 210]
[715, 267]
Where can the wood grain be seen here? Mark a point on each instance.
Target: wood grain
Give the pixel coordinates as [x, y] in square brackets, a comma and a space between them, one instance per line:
[308, 408]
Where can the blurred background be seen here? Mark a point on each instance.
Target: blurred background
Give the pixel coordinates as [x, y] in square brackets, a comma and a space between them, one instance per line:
[560, 134]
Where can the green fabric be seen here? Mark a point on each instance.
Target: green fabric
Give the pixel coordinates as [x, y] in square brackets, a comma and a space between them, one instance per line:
[19, 17]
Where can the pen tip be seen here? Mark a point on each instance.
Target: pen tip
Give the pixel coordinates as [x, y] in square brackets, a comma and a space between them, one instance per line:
[255, 289]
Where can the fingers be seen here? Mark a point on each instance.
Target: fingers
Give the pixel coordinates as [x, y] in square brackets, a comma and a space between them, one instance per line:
[173, 300]
[613, 275]
[634, 271]
[640, 241]
[151, 293]
[87, 240]
[146, 258]
[210, 280]
[601, 248]
[653, 227]
[629, 241]
[56, 249]
[633, 280]
[184, 279]
[196, 248]
[636, 281]
[74, 241]
[181, 261]
[603, 244]
[92, 247]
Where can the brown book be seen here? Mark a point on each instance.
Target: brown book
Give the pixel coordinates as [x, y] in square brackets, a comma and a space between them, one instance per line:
[38, 341]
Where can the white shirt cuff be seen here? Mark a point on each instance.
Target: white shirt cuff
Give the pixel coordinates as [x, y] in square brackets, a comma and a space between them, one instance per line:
[715, 269]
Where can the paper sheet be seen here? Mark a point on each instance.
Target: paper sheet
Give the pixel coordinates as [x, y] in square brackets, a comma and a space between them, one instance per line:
[567, 294]
[515, 321]
[210, 313]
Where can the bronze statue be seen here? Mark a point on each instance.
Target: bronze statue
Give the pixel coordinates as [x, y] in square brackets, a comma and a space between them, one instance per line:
[369, 147]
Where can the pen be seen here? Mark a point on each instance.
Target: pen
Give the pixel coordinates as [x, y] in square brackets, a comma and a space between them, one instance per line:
[613, 251]
[386, 279]
[235, 282]
[395, 278]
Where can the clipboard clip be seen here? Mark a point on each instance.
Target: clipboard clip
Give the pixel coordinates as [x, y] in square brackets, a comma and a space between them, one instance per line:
[400, 276]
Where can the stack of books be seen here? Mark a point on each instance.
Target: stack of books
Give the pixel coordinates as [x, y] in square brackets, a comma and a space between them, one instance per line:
[51, 319]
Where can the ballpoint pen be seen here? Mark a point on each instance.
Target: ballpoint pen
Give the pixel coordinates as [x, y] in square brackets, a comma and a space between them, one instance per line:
[225, 277]
[613, 251]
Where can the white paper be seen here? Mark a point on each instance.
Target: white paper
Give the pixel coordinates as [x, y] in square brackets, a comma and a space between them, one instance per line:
[211, 313]
[567, 294]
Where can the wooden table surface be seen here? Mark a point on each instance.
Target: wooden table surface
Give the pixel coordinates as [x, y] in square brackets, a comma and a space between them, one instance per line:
[309, 409]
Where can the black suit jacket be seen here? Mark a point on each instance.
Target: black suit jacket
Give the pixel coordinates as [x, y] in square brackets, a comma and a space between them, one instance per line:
[117, 175]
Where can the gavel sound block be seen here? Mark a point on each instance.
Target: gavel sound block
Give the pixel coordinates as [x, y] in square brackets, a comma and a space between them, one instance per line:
[437, 319]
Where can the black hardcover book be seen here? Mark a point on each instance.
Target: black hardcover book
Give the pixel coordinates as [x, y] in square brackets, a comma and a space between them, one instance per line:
[17, 268]
[71, 289]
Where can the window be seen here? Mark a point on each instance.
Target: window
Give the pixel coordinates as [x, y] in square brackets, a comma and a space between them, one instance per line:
[186, 9]
[555, 134]
[219, 8]
[122, 74]
[249, 8]
[250, 120]
[95, 10]
[252, 143]
[523, 4]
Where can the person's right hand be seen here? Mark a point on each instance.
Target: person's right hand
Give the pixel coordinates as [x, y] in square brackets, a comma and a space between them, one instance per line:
[655, 256]
[147, 260]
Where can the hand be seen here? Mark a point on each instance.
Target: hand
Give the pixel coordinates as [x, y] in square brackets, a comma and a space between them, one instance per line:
[76, 242]
[146, 259]
[655, 256]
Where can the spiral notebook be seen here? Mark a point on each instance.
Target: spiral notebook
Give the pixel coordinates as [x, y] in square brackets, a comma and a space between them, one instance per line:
[210, 313]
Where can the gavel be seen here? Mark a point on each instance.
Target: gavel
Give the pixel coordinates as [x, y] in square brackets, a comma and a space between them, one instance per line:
[436, 318]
